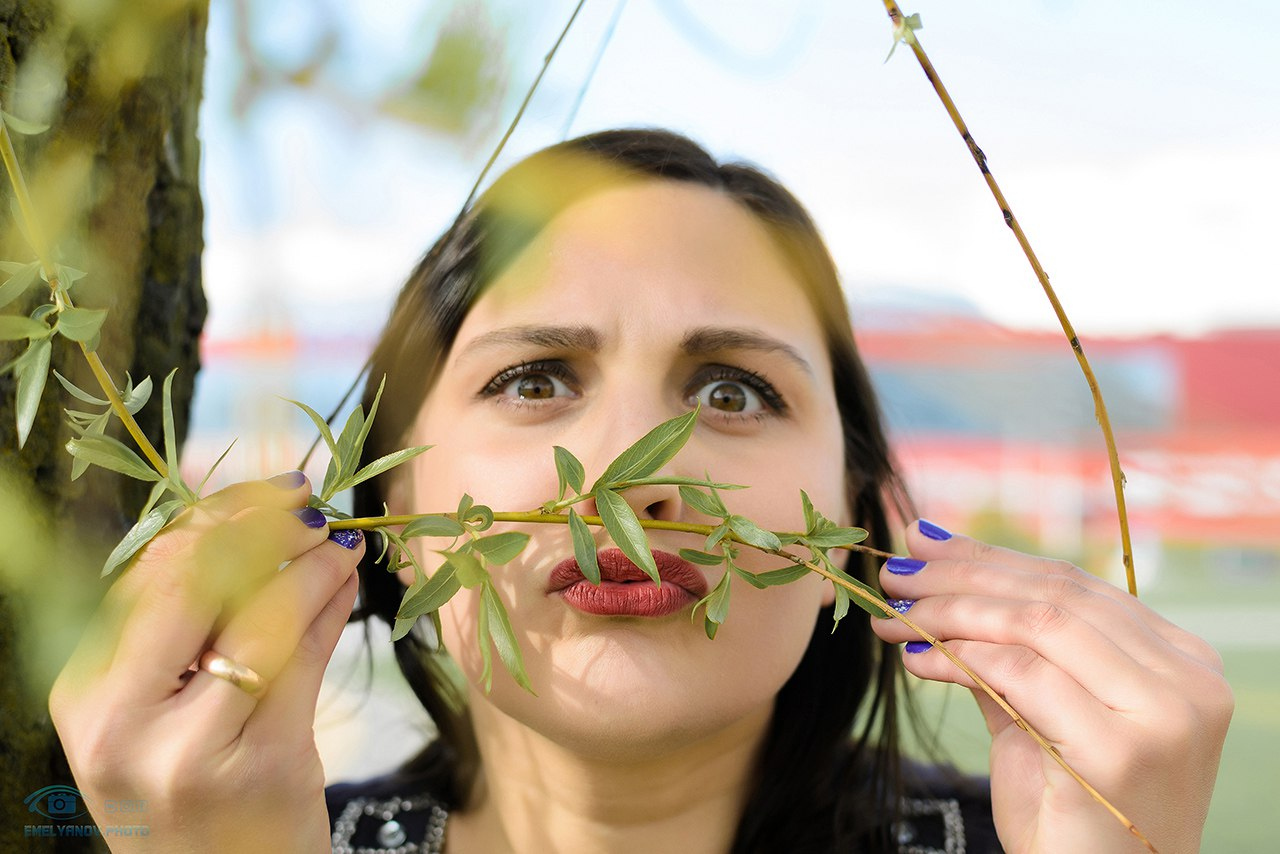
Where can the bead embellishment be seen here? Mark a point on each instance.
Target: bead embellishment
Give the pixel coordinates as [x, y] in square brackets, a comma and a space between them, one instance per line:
[391, 834]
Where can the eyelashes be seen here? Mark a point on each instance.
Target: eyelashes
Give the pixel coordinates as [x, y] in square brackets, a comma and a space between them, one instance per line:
[738, 393]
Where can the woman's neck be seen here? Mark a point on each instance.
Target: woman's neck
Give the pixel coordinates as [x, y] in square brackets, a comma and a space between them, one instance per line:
[535, 795]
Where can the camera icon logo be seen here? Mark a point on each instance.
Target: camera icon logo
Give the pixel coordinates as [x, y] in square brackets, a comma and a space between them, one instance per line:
[60, 803]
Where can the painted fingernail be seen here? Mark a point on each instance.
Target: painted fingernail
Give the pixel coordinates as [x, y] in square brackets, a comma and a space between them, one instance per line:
[917, 647]
[348, 538]
[288, 480]
[311, 517]
[902, 606]
[903, 565]
[932, 531]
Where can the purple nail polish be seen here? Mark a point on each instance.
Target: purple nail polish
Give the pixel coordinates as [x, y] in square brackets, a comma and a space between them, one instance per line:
[903, 565]
[311, 517]
[902, 606]
[917, 647]
[348, 538]
[288, 480]
[932, 531]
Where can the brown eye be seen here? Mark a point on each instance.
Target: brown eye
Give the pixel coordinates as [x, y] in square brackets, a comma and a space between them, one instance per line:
[535, 387]
[729, 397]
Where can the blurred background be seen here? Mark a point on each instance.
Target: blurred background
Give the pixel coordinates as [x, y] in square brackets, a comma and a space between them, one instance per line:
[1137, 144]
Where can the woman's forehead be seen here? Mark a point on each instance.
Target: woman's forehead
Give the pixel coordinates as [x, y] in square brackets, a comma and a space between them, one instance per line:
[664, 256]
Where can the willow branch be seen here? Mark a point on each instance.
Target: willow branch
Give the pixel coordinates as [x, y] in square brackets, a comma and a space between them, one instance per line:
[903, 31]
[63, 300]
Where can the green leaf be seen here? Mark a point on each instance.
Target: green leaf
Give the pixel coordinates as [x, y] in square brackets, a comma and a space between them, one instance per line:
[402, 627]
[479, 517]
[834, 537]
[700, 557]
[321, 425]
[32, 368]
[861, 601]
[68, 276]
[111, 454]
[81, 324]
[136, 398]
[465, 503]
[810, 517]
[485, 638]
[706, 503]
[503, 636]
[77, 392]
[214, 467]
[15, 328]
[569, 471]
[716, 604]
[368, 422]
[751, 533]
[344, 461]
[471, 573]
[664, 480]
[623, 526]
[717, 534]
[431, 526]
[776, 577]
[22, 126]
[584, 548]
[431, 594]
[380, 465]
[18, 283]
[96, 427]
[141, 534]
[153, 498]
[171, 442]
[501, 548]
[651, 452]
[841, 607]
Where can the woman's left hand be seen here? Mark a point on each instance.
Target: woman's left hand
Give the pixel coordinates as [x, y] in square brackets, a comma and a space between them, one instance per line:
[1138, 707]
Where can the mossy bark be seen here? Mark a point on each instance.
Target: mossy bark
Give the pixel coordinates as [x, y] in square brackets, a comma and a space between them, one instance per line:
[118, 175]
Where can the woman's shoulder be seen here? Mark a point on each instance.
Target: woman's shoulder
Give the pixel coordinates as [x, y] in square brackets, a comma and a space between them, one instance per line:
[944, 811]
[396, 812]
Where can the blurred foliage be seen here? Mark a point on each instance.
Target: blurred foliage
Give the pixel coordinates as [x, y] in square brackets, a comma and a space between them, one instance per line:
[453, 86]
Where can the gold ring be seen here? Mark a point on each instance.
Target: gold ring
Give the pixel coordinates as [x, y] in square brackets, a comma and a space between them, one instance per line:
[244, 678]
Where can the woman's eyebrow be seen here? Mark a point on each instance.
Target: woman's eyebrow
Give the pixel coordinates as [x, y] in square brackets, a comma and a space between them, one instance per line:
[703, 341]
[582, 338]
[707, 340]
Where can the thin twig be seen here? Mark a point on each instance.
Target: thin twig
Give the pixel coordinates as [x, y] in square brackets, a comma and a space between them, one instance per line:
[902, 30]
[595, 66]
[63, 300]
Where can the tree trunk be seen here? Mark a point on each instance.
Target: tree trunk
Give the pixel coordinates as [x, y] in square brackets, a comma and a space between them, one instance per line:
[116, 184]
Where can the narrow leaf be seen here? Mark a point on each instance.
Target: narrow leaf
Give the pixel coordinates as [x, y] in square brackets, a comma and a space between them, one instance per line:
[382, 464]
[504, 637]
[77, 392]
[431, 526]
[841, 607]
[33, 372]
[664, 480]
[22, 126]
[111, 454]
[430, 595]
[141, 534]
[584, 548]
[717, 534]
[569, 471]
[653, 450]
[501, 548]
[835, 537]
[171, 436]
[321, 425]
[810, 517]
[80, 324]
[704, 502]
[214, 467]
[347, 457]
[96, 427]
[751, 533]
[716, 605]
[67, 276]
[702, 558]
[136, 398]
[368, 424]
[15, 328]
[786, 575]
[22, 278]
[471, 573]
[485, 638]
[402, 627]
[623, 526]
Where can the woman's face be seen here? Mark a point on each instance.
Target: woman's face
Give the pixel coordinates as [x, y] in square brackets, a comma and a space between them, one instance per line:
[631, 306]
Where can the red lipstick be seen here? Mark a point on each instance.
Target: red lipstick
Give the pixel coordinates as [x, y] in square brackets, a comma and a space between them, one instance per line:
[625, 590]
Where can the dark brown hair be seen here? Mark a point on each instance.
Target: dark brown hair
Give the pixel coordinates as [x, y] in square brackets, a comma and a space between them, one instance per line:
[820, 786]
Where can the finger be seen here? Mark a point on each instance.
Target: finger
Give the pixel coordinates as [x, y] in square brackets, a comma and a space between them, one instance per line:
[266, 634]
[169, 625]
[296, 691]
[1088, 655]
[929, 542]
[1054, 703]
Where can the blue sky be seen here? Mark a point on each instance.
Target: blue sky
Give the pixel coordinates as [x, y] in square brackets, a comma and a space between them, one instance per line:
[1139, 145]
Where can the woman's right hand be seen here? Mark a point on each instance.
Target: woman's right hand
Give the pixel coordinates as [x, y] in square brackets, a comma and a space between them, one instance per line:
[218, 768]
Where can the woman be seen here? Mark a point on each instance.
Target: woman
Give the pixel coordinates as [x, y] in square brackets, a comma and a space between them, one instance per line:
[598, 288]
